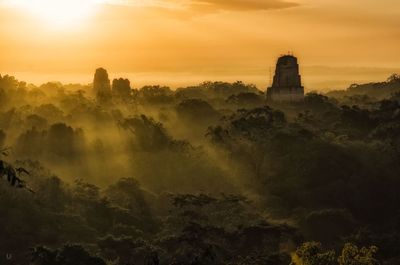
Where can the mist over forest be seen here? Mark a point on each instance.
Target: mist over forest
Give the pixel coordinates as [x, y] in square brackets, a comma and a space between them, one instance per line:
[212, 174]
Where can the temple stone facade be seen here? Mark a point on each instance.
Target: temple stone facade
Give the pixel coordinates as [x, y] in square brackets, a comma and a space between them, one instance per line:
[102, 86]
[286, 86]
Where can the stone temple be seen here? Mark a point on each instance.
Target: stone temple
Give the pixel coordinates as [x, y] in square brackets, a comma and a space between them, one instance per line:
[286, 86]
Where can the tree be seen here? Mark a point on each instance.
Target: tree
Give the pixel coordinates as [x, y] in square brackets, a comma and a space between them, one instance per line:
[197, 112]
[155, 95]
[246, 99]
[311, 253]
[49, 111]
[64, 141]
[247, 134]
[317, 102]
[352, 255]
[68, 255]
[394, 78]
[149, 134]
[127, 193]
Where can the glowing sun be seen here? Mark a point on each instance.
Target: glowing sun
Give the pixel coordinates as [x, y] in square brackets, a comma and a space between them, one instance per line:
[58, 12]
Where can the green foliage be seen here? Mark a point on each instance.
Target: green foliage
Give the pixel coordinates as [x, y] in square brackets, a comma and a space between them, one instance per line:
[155, 95]
[318, 102]
[149, 134]
[352, 255]
[246, 99]
[213, 90]
[12, 174]
[311, 253]
[197, 111]
[68, 255]
[202, 175]
[249, 125]
[394, 78]
[379, 90]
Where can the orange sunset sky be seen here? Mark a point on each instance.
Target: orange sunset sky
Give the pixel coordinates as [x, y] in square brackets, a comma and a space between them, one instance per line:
[184, 42]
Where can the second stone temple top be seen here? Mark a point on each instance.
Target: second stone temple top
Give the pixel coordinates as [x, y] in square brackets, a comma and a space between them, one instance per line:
[287, 81]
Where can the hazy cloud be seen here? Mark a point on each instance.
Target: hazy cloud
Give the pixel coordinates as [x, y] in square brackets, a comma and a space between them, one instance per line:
[242, 5]
[209, 5]
[232, 5]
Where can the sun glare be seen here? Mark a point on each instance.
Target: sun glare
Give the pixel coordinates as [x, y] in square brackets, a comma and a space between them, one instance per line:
[58, 12]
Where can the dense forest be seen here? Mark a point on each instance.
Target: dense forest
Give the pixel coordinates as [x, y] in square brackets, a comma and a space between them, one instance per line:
[205, 175]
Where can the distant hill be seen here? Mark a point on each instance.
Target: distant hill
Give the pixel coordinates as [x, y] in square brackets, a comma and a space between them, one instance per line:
[379, 90]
